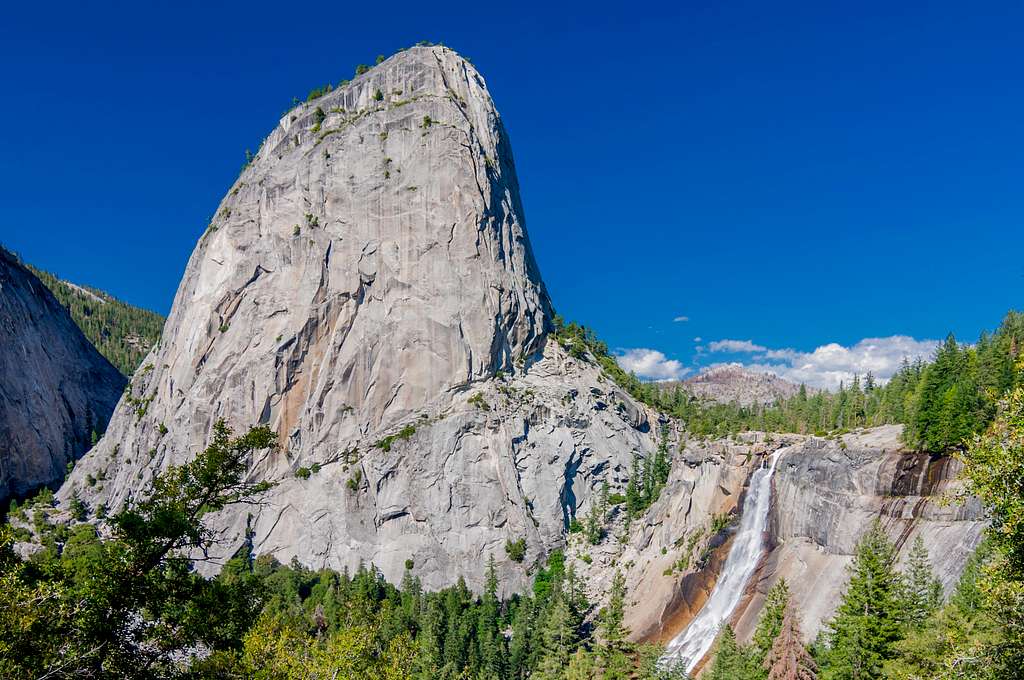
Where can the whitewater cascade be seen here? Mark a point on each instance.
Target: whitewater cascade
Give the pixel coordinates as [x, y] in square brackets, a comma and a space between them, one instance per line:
[690, 646]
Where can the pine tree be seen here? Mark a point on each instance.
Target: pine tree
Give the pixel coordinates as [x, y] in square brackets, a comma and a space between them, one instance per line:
[650, 665]
[649, 483]
[856, 404]
[768, 626]
[923, 590]
[521, 650]
[489, 638]
[731, 661]
[634, 490]
[788, 659]
[662, 465]
[954, 636]
[429, 658]
[614, 647]
[869, 620]
[581, 666]
[558, 640]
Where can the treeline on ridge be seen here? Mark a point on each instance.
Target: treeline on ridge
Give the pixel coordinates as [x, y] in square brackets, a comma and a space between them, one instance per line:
[942, 402]
[120, 332]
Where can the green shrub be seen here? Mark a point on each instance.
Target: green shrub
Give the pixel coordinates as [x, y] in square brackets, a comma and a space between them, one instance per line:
[385, 443]
[616, 499]
[354, 480]
[380, 58]
[78, 510]
[409, 564]
[479, 401]
[585, 557]
[575, 526]
[516, 550]
[319, 92]
[302, 473]
[378, 96]
[427, 122]
[361, 69]
[720, 522]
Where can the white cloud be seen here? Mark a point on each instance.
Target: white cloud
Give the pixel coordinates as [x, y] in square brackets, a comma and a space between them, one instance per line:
[734, 346]
[828, 365]
[651, 364]
[698, 339]
[681, 318]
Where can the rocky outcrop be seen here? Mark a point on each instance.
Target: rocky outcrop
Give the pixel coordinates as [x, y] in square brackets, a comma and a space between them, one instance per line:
[367, 290]
[827, 494]
[671, 554]
[55, 388]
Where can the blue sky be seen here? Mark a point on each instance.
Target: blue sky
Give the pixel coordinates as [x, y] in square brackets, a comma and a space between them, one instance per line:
[788, 174]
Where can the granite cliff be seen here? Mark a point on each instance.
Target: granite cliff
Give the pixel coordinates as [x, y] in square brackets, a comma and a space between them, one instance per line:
[826, 493]
[367, 289]
[56, 390]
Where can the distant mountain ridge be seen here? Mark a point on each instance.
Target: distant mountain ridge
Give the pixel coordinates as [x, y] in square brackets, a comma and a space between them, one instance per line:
[121, 332]
[728, 383]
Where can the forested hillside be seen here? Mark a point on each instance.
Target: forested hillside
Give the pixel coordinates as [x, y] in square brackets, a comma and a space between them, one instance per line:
[122, 333]
[129, 605]
[942, 402]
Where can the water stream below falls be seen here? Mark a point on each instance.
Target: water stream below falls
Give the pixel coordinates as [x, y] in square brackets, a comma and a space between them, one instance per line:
[690, 646]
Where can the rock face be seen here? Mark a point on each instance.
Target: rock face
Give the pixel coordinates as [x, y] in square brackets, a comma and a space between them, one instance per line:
[55, 388]
[828, 493]
[367, 290]
[672, 553]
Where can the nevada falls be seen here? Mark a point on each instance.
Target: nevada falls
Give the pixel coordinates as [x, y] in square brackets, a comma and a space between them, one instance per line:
[367, 290]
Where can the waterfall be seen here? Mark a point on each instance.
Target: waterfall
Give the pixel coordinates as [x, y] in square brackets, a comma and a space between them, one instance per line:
[690, 646]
